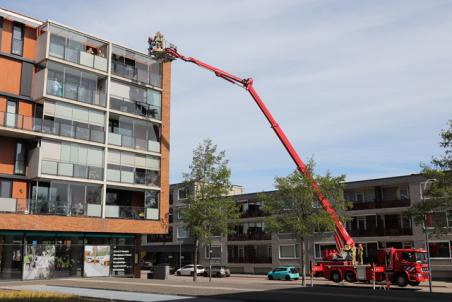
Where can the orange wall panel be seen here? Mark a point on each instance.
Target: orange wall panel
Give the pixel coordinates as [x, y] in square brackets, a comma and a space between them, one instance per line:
[25, 110]
[2, 110]
[29, 43]
[20, 192]
[78, 224]
[7, 36]
[7, 155]
[10, 71]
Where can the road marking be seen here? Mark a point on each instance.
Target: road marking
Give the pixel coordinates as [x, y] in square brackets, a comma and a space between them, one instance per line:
[169, 285]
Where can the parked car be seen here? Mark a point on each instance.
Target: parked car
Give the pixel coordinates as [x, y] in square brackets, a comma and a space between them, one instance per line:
[189, 270]
[283, 273]
[218, 271]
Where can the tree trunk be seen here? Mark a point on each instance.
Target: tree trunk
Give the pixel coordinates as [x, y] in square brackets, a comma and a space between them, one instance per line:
[302, 262]
[195, 275]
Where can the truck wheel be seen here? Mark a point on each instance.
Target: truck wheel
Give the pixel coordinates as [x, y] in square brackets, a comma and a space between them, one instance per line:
[414, 283]
[336, 277]
[350, 276]
[401, 280]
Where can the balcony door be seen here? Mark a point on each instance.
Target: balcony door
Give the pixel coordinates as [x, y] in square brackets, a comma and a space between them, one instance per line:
[11, 117]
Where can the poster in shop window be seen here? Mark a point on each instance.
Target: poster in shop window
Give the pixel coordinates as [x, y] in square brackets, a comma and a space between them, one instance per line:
[96, 261]
[39, 261]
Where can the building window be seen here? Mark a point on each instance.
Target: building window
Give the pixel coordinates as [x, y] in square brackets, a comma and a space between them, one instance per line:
[441, 249]
[359, 196]
[404, 193]
[182, 194]
[1, 29]
[11, 114]
[18, 40]
[182, 233]
[215, 251]
[19, 167]
[289, 251]
[5, 188]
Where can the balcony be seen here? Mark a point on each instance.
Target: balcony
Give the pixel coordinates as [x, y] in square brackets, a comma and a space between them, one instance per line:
[135, 107]
[13, 205]
[63, 208]
[136, 205]
[21, 122]
[135, 66]
[133, 142]
[130, 175]
[249, 236]
[253, 213]
[255, 260]
[381, 232]
[73, 47]
[71, 170]
[381, 204]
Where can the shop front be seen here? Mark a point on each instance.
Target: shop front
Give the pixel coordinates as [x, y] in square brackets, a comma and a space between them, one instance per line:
[45, 255]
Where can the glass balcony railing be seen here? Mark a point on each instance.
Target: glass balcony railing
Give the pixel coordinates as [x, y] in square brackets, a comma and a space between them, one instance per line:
[250, 236]
[13, 205]
[63, 208]
[128, 212]
[133, 142]
[135, 107]
[124, 174]
[71, 170]
[17, 121]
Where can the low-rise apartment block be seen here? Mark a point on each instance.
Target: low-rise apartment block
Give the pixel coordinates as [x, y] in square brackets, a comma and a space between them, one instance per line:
[377, 221]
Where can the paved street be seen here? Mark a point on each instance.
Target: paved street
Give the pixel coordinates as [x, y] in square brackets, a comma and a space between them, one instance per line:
[236, 288]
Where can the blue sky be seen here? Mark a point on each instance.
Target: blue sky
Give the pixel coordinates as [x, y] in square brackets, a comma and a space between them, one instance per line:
[362, 86]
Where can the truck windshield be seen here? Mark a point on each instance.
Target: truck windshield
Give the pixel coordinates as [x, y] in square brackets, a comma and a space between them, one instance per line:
[414, 257]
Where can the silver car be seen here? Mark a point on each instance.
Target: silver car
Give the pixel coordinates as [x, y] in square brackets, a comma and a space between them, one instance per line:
[218, 271]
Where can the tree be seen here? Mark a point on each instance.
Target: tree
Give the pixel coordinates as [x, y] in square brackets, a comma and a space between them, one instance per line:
[209, 211]
[439, 191]
[294, 207]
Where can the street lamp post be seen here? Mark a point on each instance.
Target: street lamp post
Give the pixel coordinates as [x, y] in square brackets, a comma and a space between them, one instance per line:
[427, 244]
[180, 254]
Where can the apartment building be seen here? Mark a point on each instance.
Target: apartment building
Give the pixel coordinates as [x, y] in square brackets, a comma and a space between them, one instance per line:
[84, 151]
[176, 247]
[377, 221]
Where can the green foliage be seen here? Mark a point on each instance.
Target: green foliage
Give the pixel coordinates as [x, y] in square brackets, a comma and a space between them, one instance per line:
[294, 207]
[209, 212]
[438, 193]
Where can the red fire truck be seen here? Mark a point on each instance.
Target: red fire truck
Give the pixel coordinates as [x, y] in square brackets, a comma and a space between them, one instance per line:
[398, 266]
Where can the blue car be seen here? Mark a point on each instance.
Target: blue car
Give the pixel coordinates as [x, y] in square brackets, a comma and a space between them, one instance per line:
[283, 273]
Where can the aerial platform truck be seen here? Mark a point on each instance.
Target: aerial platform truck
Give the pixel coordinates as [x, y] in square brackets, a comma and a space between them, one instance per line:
[396, 266]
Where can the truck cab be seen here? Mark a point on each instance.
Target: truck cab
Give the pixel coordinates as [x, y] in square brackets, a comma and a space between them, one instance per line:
[404, 266]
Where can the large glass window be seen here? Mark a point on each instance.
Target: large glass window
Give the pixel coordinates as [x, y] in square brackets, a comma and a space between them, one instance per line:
[59, 198]
[289, 251]
[73, 160]
[134, 134]
[440, 249]
[71, 83]
[321, 248]
[73, 121]
[18, 40]
[136, 100]
[135, 66]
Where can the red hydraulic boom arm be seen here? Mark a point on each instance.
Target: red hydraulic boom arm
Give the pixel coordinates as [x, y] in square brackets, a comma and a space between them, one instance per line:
[341, 236]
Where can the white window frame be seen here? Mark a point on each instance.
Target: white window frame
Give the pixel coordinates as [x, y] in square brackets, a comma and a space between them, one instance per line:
[439, 241]
[363, 195]
[294, 246]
